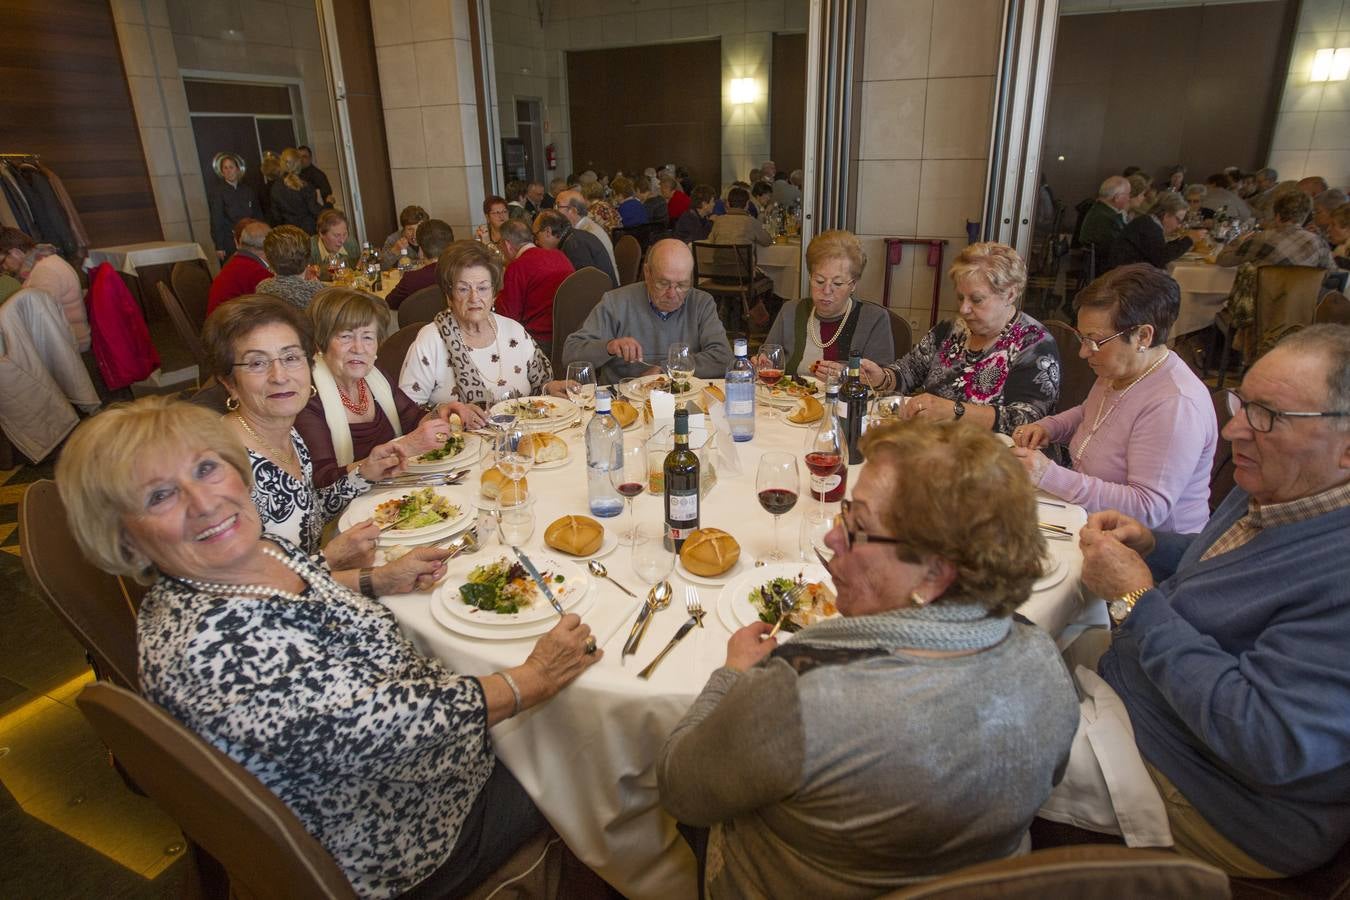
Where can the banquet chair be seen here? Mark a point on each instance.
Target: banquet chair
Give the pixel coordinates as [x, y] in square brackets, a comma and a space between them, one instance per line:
[901, 334]
[192, 286]
[628, 254]
[1286, 300]
[95, 607]
[1075, 375]
[575, 298]
[728, 273]
[1334, 309]
[389, 358]
[421, 306]
[182, 323]
[212, 395]
[1221, 471]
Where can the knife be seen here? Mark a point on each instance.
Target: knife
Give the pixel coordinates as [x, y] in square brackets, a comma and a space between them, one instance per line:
[538, 579]
[696, 619]
[639, 628]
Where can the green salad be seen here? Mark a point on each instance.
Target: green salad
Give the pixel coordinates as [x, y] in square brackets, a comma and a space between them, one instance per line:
[453, 447]
[504, 587]
[815, 603]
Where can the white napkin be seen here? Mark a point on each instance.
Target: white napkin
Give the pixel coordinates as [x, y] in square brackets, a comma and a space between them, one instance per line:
[728, 457]
[663, 410]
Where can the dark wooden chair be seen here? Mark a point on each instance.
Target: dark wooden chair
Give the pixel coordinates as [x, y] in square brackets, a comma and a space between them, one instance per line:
[389, 358]
[1075, 375]
[628, 254]
[901, 334]
[192, 286]
[1333, 309]
[183, 324]
[576, 297]
[728, 273]
[421, 306]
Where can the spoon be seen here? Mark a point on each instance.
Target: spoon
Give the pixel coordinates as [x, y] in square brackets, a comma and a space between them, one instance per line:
[599, 571]
[658, 598]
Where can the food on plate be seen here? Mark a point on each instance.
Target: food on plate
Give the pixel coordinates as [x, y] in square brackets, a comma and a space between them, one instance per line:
[624, 411]
[496, 486]
[575, 535]
[809, 410]
[815, 604]
[794, 386]
[544, 447]
[531, 409]
[453, 447]
[709, 552]
[418, 509]
[504, 587]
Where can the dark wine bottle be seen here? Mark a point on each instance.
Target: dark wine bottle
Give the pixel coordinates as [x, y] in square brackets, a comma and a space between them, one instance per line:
[681, 472]
[852, 408]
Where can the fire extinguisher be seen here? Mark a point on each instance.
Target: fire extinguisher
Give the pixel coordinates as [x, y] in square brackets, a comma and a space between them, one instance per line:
[551, 156]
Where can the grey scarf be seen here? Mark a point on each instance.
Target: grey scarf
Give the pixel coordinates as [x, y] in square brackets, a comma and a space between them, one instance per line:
[938, 626]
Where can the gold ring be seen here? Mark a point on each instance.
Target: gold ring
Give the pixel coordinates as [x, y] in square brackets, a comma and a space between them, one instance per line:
[590, 644]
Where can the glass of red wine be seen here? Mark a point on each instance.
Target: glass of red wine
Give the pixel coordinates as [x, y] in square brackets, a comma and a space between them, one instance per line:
[629, 479]
[777, 483]
[824, 458]
[769, 366]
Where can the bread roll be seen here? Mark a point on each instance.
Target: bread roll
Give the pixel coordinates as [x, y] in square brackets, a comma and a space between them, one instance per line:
[544, 447]
[496, 486]
[809, 411]
[715, 392]
[624, 412]
[709, 552]
[576, 535]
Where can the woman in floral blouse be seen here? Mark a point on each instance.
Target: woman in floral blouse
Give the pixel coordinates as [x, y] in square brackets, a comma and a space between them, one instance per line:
[382, 753]
[993, 365]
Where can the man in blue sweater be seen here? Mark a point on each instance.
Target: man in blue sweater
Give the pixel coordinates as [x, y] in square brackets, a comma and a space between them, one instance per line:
[1230, 648]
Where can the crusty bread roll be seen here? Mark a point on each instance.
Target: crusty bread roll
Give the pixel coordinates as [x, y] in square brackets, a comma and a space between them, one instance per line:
[715, 392]
[709, 552]
[544, 447]
[809, 411]
[624, 412]
[577, 535]
[496, 486]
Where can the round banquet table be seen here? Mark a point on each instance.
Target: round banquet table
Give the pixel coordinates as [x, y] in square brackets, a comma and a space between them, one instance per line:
[587, 756]
[1204, 291]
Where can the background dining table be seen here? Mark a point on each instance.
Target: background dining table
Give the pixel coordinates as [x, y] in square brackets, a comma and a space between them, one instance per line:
[587, 756]
[1205, 287]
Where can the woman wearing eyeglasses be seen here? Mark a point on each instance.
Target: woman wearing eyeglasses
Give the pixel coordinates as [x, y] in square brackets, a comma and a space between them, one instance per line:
[916, 733]
[1143, 441]
[817, 337]
[469, 354]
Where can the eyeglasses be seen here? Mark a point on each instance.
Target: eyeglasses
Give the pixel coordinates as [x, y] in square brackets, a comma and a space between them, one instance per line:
[857, 536]
[261, 363]
[1095, 346]
[469, 290]
[824, 283]
[679, 287]
[1262, 418]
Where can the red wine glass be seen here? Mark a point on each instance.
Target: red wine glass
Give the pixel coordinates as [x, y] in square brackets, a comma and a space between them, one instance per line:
[776, 484]
[629, 479]
[769, 367]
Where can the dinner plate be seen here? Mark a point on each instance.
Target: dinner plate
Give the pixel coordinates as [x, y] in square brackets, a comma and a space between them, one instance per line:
[550, 465]
[639, 388]
[473, 448]
[562, 412]
[741, 566]
[363, 508]
[782, 399]
[569, 593]
[1056, 571]
[485, 632]
[815, 424]
[733, 604]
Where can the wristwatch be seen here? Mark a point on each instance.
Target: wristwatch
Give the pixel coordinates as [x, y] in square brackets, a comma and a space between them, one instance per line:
[1120, 607]
[958, 409]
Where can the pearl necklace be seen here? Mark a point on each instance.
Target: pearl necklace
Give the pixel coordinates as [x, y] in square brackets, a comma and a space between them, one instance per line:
[813, 327]
[362, 398]
[262, 590]
[280, 456]
[1103, 413]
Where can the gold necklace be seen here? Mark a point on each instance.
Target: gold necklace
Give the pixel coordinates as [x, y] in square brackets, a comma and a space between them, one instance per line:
[813, 327]
[279, 455]
[1103, 413]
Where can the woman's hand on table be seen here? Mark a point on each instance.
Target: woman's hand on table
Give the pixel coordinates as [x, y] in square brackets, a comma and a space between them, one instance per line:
[748, 646]
[471, 416]
[559, 657]
[1033, 436]
[416, 570]
[930, 407]
[311, 272]
[431, 434]
[1111, 569]
[385, 460]
[353, 548]
[1126, 529]
[1034, 461]
[557, 388]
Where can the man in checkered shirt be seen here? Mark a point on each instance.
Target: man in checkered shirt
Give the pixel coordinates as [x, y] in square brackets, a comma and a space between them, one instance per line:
[1285, 243]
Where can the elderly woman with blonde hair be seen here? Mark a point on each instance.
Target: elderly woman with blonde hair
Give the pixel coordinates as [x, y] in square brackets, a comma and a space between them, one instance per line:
[382, 753]
[993, 364]
[817, 336]
[916, 733]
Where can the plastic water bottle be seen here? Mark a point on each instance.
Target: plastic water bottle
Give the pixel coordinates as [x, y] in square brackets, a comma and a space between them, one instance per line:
[604, 453]
[740, 392]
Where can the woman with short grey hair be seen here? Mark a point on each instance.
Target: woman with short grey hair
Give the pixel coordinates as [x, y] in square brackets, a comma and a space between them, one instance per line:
[1156, 238]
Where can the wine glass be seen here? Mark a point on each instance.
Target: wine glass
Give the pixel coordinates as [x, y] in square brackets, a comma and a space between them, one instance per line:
[512, 458]
[776, 484]
[653, 560]
[680, 365]
[769, 366]
[812, 538]
[581, 384]
[824, 458]
[629, 479]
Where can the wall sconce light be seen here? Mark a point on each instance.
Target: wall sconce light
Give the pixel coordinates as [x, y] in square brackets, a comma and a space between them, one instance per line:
[744, 90]
[1331, 64]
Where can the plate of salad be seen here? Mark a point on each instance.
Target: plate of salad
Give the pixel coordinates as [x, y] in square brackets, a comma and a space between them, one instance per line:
[458, 451]
[497, 591]
[755, 596]
[408, 514]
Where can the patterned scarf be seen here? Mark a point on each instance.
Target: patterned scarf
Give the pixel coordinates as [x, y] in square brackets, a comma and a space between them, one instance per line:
[470, 386]
[938, 626]
[979, 376]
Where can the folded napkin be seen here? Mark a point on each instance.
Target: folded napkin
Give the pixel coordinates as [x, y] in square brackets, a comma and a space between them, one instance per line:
[728, 457]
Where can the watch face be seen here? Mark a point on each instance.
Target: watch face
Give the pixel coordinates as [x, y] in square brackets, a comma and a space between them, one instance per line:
[1118, 610]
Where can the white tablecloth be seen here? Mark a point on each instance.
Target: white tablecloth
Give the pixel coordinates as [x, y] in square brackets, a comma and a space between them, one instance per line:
[782, 263]
[586, 757]
[126, 257]
[1204, 288]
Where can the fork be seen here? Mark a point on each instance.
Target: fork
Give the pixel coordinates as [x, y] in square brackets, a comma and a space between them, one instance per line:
[786, 605]
[694, 606]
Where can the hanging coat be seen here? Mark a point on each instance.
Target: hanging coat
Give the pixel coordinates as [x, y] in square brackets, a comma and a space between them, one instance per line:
[121, 342]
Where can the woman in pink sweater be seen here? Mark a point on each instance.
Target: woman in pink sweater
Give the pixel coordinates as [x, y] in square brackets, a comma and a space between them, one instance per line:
[1143, 440]
[40, 268]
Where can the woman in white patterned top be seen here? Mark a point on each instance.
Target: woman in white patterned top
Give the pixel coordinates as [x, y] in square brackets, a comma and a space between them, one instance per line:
[383, 754]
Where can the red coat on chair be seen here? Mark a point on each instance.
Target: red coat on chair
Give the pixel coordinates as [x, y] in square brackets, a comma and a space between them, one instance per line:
[121, 342]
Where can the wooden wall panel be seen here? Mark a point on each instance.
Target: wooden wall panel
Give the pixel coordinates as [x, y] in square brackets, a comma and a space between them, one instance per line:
[1199, 86]
[356, 46]
[629, 113]
[787, 103]
[64, 95]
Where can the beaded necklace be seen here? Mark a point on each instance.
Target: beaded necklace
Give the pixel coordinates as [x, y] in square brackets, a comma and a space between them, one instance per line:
[261, 590]
[1103, 413]
[362, 398]
[813, 327]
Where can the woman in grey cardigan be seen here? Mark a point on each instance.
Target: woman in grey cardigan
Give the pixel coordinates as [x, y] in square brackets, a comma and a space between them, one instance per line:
[835, 322]
[916, 734]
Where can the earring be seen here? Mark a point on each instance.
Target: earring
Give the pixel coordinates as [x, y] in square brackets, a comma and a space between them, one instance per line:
[1140, 349]
[313, 391]
[918, 599]
[232, 403]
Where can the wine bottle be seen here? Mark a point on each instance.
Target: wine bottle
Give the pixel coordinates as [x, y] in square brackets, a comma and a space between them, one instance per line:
[829, 475]
[852, 408]
[681, 474]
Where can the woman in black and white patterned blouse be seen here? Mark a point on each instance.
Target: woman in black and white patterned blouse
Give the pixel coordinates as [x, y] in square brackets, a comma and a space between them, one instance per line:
[382, 753]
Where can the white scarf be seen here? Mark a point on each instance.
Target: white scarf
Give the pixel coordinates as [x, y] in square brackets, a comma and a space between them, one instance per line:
[336, 414]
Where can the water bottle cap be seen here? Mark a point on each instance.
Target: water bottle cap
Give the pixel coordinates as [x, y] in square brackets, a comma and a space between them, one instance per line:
[742, 346]
[602, 401]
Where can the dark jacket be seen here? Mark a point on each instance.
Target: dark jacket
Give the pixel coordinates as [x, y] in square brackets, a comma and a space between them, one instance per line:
[299, 208]
[584, 249]
[1101, 226]
[315, 176]
[692, 227]
[228, 205]
[1143, 241]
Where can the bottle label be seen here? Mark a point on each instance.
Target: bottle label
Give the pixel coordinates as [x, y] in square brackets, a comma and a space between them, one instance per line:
[840, 409]
[825, 484]
[683, 507]
[740, 407]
